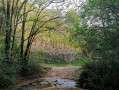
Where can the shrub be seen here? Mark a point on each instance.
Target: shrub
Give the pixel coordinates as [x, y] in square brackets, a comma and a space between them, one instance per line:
[8, 75]
[31, 69]
[38, 57]
[100, 75]
[34, 68]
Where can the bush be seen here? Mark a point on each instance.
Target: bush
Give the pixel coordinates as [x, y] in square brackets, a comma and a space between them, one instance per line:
[31, 69]
[34, 68]
[100, 75]
[8, 75]
[38, 57]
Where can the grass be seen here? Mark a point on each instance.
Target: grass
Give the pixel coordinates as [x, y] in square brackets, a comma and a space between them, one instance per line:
[63, 63]
[57, 65]
[80, 63]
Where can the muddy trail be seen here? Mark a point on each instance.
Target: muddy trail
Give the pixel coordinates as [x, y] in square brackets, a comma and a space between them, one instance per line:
[58, 78]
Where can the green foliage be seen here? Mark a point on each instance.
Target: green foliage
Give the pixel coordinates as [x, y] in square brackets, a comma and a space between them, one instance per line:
[34, 64]
[81, 62]
[56, 63]
[7, 77]
[8, 74]
[100, 75]
[38, 57]
[96, 32]
[72, 17]
[32, 69]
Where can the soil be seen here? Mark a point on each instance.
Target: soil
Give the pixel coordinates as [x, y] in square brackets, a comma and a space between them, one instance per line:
[67, 72]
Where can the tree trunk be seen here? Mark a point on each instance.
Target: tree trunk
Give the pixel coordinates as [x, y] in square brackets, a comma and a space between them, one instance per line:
[8, 34]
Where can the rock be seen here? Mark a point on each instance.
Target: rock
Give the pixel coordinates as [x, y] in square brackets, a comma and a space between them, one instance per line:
[45, 84]
[41, 80]
[33, 83]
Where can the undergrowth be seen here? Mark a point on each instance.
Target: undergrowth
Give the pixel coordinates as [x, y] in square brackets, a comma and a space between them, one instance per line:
[100, 75]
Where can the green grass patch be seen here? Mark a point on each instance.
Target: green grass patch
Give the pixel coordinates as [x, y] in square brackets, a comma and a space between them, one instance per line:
[80, 63]
[57, 63]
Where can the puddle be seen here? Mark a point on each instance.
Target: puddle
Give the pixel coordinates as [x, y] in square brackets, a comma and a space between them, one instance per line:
[59, 82]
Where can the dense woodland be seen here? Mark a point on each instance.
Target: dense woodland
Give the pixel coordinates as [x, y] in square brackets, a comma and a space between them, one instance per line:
[90, 31]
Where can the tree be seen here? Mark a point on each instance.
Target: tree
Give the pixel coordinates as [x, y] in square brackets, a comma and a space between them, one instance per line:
[97, 35]
[15, 17]
[97, 29]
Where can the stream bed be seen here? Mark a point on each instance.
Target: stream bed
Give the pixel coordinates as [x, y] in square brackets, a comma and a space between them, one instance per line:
[49, 82]
[61, 83]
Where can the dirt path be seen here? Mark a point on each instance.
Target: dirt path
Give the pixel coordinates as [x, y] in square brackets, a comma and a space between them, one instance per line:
[68, 72]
